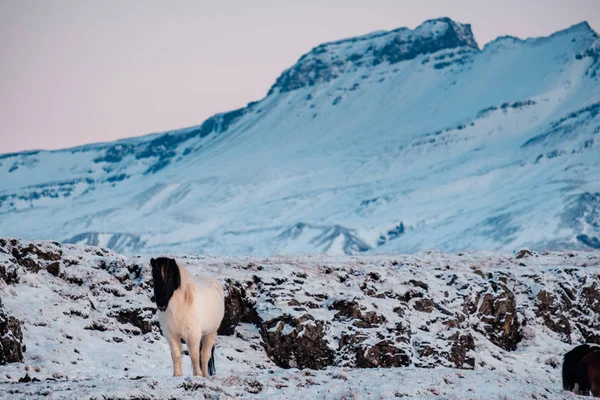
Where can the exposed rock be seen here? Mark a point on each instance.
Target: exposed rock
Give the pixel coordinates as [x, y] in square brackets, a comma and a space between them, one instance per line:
[585, 314]
[11, 338]
[385, 354]
[9, 272]
[26, 262]
[591, 296]
[370, 319]
[461, 352]
[32, 257]
[297, 342]
[27, 379]
[100, 325]
[499, 318]
[54, 268]
[552, 311]
[140, 318]
[424, 305]
[524, 253]
[419, 284]
[324, 64]
[49, 252]
[351, 310]
[346, 309]
[238, 308]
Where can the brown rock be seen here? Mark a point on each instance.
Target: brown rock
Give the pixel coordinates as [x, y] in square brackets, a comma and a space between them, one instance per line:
[9, 273]
[524, 253]
[54, 268]
[424, 305]
[11, 339]
[385, 354]
[591, 296]
[140, 318]
[554, 313]
[297, 342]
[351, 310]
[238, 308]
[53, 254]
[346, 309]
[498, 314]
[461, 351]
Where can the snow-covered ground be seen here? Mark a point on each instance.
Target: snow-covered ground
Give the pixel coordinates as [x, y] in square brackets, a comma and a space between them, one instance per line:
[464, 148]
[504, 320]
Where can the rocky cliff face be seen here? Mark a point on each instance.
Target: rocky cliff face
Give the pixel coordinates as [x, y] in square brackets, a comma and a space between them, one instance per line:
[11, 338]
[329, 61]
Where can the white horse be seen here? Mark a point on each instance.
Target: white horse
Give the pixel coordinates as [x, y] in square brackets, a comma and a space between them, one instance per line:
[190, 310]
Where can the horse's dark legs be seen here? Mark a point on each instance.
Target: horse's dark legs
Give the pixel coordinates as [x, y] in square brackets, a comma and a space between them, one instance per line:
[208, 341]
[582, 385]
[212, 369]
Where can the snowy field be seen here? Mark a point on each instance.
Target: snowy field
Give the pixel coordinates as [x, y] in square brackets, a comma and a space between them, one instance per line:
[424, 326]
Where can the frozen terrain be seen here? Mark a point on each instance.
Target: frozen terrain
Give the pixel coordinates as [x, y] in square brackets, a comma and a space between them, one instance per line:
[424, 326]
[396, 141]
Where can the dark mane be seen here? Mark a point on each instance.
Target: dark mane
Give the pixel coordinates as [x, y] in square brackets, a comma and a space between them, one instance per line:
[167, 279]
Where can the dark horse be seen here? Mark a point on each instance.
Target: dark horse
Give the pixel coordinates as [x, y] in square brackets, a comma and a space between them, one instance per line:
[581, 370]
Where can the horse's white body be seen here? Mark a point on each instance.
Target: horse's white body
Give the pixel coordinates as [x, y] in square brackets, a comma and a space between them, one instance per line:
[193, 315]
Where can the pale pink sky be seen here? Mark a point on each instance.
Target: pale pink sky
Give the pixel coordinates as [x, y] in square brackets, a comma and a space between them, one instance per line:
[82, 71]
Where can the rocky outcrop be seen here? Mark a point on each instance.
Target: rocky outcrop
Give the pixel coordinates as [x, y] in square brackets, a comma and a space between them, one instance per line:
[462, 351]
[351, 312]
[142, 319]
[8, 266]
[587, 309]
[553, 311]
[238, 307]
[11, 338]
[403, 317]
[384, 354]
[498, 315]
[426, 311]
[32, 257]
[330, 60]
[297, 342]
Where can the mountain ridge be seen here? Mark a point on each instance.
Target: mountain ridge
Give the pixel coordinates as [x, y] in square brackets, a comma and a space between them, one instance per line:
[583, 25]
[464, 148]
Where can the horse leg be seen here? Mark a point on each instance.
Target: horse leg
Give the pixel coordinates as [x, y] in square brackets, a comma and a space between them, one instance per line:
[594, 377]
[175, 345]
[194, 350]
[208, 341]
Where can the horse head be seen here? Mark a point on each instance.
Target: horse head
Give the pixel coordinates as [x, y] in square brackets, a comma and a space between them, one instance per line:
[167, 280]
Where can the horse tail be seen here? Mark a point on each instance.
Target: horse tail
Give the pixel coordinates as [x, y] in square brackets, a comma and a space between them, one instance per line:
[571, 374]
[212, 370]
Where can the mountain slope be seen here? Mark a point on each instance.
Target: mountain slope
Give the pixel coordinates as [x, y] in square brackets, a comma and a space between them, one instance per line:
[393, 141]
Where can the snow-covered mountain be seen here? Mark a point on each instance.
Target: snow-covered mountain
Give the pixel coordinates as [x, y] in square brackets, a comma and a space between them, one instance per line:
[390, 142]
